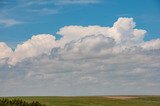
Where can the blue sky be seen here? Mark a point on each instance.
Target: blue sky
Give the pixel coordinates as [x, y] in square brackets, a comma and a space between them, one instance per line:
[35, 17]
[79, 47]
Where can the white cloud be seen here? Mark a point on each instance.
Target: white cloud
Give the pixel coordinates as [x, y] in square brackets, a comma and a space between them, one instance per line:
[122, 32]
[39, 44]
[79, 42]
[126, 32]
[151, 45]
[9, 22]
[5, 51]
[70, 33]
[85, 61]
[88, 47]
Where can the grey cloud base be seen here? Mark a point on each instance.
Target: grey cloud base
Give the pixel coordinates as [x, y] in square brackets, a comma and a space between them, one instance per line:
[89, 60]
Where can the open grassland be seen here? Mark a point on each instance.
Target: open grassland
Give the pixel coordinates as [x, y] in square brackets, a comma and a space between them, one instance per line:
[94, 100]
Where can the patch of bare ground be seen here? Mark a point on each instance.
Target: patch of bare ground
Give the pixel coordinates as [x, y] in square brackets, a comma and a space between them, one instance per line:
[122, 97]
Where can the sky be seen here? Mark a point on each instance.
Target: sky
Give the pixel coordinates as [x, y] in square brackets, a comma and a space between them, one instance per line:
[79, 47]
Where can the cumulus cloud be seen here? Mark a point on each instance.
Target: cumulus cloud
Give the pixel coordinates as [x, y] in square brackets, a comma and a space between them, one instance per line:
[87, 60]
[39, 44]
[5, 51]
[151, 45]
[88, 47]
[122, 32]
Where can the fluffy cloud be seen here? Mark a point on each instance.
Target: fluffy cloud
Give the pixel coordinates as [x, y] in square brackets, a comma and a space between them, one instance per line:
[122, 32]
[87, 60]
[86, 42]
[39, 44]
[5, 51]
[151, 45]
[88, 47]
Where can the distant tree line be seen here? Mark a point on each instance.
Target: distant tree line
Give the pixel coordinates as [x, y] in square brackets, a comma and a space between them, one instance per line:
[18, 102]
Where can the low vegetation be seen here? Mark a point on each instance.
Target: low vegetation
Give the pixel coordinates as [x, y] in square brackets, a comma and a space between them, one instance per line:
[17, 102]
[87, 101]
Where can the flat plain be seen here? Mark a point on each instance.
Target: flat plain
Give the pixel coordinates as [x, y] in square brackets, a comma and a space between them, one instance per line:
[93, 100]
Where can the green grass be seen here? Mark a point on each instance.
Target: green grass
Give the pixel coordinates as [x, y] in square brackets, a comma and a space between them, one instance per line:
[93, 101]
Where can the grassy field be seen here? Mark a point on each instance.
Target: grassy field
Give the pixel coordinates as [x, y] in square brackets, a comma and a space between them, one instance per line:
[95, 100]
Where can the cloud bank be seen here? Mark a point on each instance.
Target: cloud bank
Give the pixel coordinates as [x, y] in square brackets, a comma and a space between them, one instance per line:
[87, 60]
